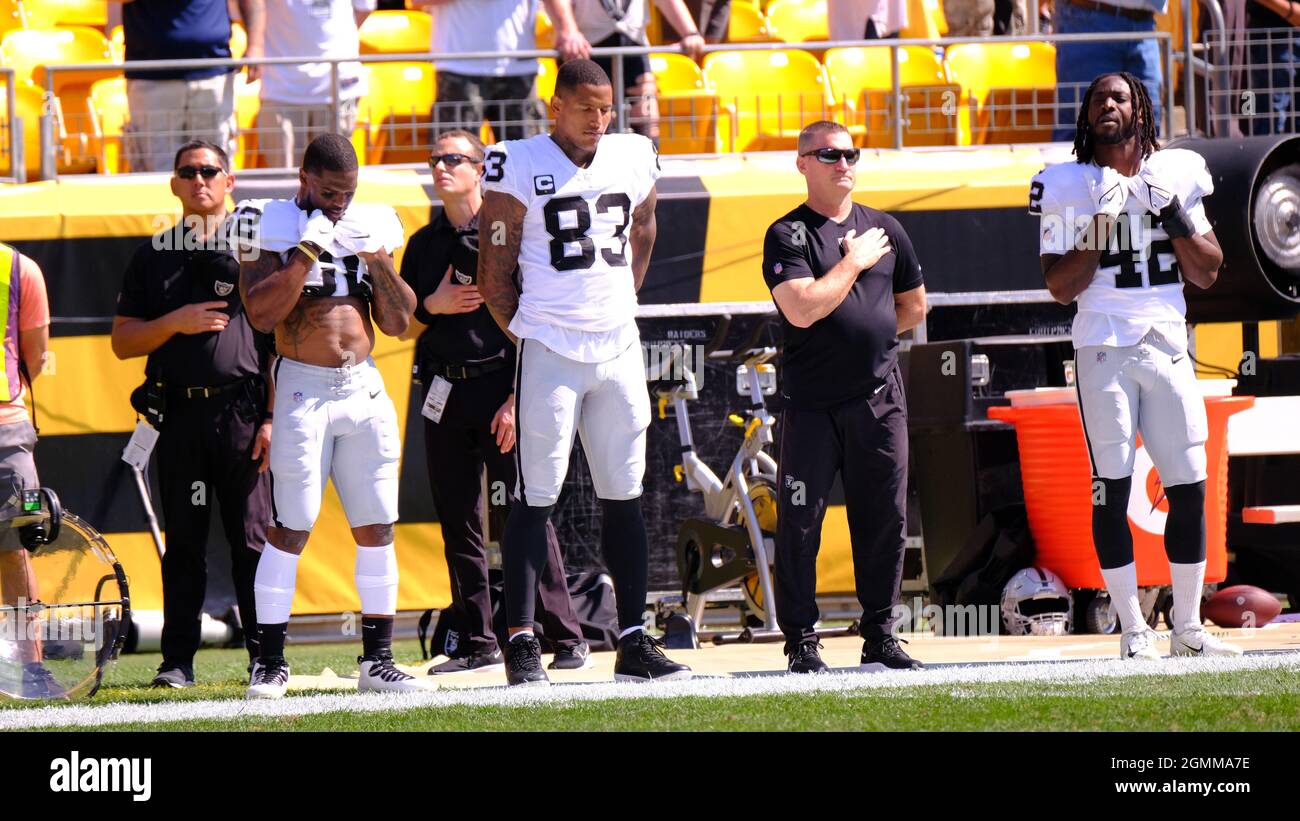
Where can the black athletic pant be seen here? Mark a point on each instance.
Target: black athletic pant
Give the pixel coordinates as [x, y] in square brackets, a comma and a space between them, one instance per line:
[865, 440]
[457, 448]
[209, 441]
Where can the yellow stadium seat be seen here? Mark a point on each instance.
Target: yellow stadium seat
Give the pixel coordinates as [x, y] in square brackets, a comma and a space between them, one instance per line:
[109, 113]
[117, 43]
[545, 30]
[238, 40]
[766, 97]
[27, 51]
[248, 101]
[12, 16]
[396, 32]
[688, 112]
[396, 112]
[1008, 90]
[28, 100]
[798, 21]
[925, 20]
[49, 13]
[546, 69]
[861, 79]
[748, 25]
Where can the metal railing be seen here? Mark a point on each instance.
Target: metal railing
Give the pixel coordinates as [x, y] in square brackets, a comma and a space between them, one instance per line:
[1253, 85]
[11, 133]
[896, 116]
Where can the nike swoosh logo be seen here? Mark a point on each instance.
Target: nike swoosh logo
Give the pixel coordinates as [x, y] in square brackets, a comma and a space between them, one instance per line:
[1178, 359]
[376, 393]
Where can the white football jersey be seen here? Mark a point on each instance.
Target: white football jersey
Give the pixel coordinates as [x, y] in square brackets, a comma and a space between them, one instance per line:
[577, 294]
[1140, 287]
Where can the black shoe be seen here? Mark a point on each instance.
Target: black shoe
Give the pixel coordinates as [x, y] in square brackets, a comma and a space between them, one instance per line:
[175, 676]
[524, 661]
[473, 663]
[640, 659]
[39, 682]
[577, 657]
[804, 657]
[887, 652]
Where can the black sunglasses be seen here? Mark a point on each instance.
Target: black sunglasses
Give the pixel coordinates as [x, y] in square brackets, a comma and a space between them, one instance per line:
[830, 156]
[451, 160]
[188, 172]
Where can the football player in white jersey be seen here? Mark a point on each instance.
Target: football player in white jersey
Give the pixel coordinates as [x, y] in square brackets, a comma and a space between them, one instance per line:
[1122, 228]
[574, 210]
[316, 270]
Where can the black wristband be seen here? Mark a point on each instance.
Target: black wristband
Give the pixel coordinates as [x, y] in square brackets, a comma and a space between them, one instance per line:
[1175, 220]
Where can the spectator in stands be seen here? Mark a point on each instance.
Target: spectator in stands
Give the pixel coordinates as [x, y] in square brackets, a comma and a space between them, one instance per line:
[711, 18]
[297, 100]
[180, 307]
[172, 106]
[983, 18]
[462, 349]
[866, 19]
[502, 90]
[1275, 65]
[1078, 63]
[613, 23]
[25, 329]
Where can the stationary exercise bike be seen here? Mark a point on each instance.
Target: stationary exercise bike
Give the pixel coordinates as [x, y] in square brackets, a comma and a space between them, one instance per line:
[734, 542]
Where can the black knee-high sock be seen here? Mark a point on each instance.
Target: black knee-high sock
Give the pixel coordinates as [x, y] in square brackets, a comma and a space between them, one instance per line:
[272, 639]
[376, 635]
[623, 541]
[1110, 534]
[1185, 527]
[523, 556]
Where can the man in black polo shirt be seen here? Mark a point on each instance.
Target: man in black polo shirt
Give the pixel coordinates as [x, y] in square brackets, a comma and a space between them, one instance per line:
[181, 308]
[846, 282]
[465, 360]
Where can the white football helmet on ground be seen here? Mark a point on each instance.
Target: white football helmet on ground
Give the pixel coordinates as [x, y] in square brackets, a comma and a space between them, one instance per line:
[1037, 603]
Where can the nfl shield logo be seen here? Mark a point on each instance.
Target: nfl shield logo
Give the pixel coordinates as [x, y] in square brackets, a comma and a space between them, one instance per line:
[776, 269]
[1101, 356]
[297, 396]
[223, 288]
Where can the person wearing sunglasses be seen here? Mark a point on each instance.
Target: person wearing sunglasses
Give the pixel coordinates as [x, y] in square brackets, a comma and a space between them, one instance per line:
[846, 282]
[180, 307]
[465, 362]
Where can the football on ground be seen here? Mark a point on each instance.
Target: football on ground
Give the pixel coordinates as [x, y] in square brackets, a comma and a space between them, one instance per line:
[1241, 605]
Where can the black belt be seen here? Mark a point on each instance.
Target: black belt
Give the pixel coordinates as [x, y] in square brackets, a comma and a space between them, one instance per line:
[206, 392]
[467, 371]
[1138, 15]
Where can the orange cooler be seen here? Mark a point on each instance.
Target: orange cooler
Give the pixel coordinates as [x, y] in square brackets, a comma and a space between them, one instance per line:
[1057, 482]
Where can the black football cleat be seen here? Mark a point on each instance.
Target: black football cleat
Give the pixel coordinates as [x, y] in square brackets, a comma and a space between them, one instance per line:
[577, 657]
[524, 662]
[804, 657]
[641, 659]
[886, 653]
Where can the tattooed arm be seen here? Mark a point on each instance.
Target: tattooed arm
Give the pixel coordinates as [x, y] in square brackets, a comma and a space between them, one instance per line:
[642, 237]
[392, 300]
[501, 228]
[271, 290]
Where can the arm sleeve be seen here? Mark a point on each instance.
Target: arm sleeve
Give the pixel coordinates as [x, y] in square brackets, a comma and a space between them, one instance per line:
[503, 172]
[784, 256]
[413, 262]
[34, 303]
[907, 268]
[132, 301]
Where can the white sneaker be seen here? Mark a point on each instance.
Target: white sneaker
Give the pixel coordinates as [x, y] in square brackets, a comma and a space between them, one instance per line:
[1199, 642]
[379, 674]
[1139, 645]
[268, 679]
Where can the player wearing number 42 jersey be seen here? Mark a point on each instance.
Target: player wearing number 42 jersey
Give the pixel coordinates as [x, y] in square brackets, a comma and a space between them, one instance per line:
[1122, 228]
[575, 211]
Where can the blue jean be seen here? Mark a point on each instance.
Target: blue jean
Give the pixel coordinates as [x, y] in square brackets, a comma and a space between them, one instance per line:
[1081, 63]
[1275, 61]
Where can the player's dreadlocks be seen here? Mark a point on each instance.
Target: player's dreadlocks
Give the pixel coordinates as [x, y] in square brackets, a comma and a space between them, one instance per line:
[1142, 113]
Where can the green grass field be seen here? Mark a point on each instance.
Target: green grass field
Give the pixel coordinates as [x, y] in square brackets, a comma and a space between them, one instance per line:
[1267, 699]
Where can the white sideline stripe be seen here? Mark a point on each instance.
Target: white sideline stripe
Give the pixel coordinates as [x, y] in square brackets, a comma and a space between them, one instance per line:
[894, 682]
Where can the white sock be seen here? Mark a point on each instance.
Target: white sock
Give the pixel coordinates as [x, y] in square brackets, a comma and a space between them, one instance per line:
[527, 631]
[376, 573]
[1189, 579]
[1122, 585]
[273, 586]
[629, 631]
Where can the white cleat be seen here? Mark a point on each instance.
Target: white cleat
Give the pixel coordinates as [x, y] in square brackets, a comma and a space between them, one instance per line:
[1139, 645]
[379, 674]
[268, 680]
[1199, 642]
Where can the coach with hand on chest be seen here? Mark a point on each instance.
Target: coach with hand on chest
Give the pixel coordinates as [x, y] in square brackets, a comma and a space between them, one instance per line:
[467, 366]
[846, 282]
[181, 308]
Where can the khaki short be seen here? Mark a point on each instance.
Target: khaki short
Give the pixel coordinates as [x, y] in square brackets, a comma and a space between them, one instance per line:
[17, 472]
[284, 130]
[166, 114]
